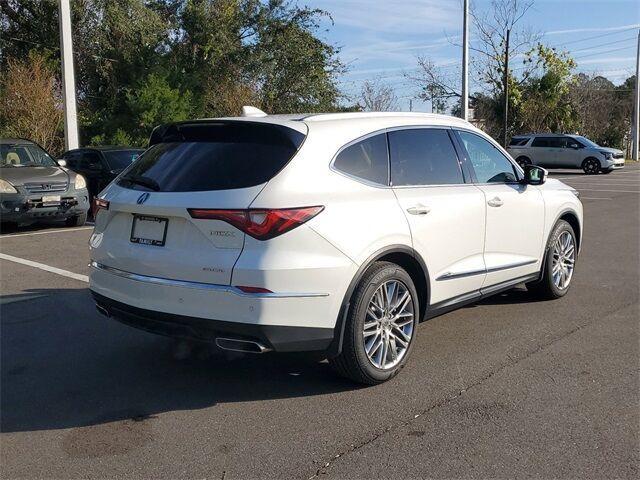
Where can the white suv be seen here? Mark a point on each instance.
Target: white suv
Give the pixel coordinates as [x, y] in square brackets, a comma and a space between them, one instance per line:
[333, 233]
[565, 151]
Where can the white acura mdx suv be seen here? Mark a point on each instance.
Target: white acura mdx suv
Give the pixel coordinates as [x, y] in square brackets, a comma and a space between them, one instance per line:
[333, 233]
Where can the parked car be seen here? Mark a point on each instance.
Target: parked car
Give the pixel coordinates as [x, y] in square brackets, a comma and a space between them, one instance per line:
[565, 151]
[100, 165]
[333, 233]
[34, 187]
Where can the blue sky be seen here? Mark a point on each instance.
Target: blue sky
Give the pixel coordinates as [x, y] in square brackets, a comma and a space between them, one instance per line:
[382, 38]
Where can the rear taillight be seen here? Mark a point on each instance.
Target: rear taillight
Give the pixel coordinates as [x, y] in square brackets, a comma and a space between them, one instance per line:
[261, 224]
[99, 204]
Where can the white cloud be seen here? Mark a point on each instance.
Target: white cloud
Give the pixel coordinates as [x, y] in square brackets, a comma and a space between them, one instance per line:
[594, 29]
[405, 17]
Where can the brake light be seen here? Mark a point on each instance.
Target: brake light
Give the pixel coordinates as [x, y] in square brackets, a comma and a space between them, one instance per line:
[261, 224]
[98, 204]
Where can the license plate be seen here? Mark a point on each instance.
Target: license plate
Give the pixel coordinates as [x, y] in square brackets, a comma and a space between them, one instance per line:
[49, 199]
[149, 230]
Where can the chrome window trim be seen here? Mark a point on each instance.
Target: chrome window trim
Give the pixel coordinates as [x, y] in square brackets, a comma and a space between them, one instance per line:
[197, 285]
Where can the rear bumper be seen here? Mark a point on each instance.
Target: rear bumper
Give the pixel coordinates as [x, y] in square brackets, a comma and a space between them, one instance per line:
[277, 337]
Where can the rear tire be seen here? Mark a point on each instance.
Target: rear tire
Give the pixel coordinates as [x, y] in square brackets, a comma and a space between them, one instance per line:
[375, 351]
[591, 166]
[559, 263]
[77, 220]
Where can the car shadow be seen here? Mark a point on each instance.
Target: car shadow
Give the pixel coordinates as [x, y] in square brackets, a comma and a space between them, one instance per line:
[63, 365]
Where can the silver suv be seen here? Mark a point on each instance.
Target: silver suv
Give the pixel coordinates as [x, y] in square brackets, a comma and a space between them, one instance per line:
[564, 151]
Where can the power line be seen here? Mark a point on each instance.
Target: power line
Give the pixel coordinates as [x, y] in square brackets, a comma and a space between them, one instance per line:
[603, 44]
[598, 36]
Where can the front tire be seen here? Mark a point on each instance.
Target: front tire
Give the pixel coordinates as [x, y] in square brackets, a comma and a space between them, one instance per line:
[559, 263]
[591, 166]
[380, 327]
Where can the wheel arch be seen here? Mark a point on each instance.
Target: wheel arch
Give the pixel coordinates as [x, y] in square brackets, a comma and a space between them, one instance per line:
[572, 219]
[403, 256]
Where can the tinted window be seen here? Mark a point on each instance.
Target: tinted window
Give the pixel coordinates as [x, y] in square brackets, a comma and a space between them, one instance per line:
[91, 161]
[541, 142]
[121, 159]
[557, 142]
[490, 165]
[423, 156]
[367, 159]
[517, 142]
[214, 156]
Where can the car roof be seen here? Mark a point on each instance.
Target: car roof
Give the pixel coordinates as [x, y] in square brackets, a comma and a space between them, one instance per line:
[356, 120]
[16, 141]
[106, 148]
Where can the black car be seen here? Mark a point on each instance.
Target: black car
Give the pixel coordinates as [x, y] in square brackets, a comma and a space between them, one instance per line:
[33, 186]
[100, 165]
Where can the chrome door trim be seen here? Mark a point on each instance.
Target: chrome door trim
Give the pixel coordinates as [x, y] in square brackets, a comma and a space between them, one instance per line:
[452, 275]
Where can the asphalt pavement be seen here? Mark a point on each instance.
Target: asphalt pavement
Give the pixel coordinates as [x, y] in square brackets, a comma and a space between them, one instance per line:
[509, 387]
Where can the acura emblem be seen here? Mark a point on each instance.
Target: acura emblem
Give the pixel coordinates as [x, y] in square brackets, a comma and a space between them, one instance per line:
[142, 198]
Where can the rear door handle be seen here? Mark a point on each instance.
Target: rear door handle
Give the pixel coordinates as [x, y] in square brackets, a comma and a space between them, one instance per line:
[418, 210]
[495, 202]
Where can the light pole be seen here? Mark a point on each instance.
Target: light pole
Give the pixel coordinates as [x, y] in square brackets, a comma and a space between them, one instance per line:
[465, 62]
[68, 78]
[636, 109]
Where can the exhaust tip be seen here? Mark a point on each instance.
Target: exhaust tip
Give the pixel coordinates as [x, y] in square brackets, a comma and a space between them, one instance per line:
[245, 346]
[102, 310]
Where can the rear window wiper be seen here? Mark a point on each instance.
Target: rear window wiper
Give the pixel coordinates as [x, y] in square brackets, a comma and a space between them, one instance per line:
[144, 181]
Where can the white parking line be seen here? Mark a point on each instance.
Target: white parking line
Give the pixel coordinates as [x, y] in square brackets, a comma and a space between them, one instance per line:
[43, 232]
[46, 268]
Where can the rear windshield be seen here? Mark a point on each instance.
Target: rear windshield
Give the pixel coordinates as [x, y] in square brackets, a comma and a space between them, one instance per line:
[212, 156]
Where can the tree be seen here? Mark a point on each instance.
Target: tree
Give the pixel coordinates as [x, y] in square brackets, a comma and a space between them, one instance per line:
[378, 97]
[153, 102]
[30, 103]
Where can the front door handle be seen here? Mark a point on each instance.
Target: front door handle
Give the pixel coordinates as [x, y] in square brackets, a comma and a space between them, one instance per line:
[495, 202]
[418, 210]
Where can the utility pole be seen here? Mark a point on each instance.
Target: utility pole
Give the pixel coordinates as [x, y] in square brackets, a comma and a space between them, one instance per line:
[411, 104]
[506, 88]
[465, 62]
[636, 110]
[68, 78]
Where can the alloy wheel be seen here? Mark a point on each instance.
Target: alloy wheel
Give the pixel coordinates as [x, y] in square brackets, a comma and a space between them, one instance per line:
[389, 324]
[591, 167]
[564, 257]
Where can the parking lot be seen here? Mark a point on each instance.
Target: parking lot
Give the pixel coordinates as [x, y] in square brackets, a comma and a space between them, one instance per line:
[507, 387]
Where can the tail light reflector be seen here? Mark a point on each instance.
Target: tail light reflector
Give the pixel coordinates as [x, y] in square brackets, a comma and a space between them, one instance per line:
[261, 224]
[98, 204]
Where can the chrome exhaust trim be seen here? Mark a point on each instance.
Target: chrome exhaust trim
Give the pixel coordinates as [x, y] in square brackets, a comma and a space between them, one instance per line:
[102, 310]
[244, 346]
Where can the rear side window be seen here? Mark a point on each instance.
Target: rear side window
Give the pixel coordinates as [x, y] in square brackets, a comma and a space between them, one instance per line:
[367, 160]
[541, 142]
[518, 142]
[423, 156]
[213, 156]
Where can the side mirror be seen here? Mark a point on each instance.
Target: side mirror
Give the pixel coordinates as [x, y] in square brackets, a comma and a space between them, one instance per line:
[534, 175]
[62, 162]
